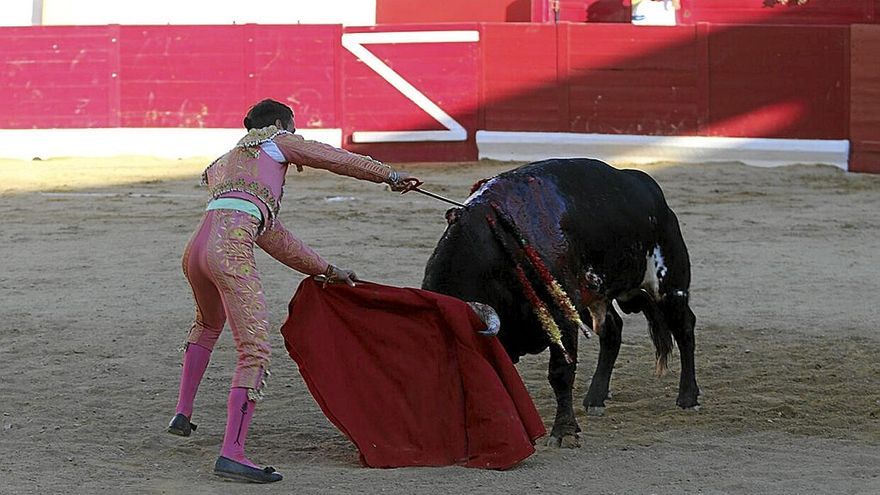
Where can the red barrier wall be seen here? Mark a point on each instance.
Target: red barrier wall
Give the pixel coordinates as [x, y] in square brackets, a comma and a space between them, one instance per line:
[208, 76]
[300, 66]
[865, 99]
[624, 79]
[717, 80]
[182, 76]
[596, 78]
[166, 76]
[58, 77]
[778, 81]
[753, 81]
[520, 90]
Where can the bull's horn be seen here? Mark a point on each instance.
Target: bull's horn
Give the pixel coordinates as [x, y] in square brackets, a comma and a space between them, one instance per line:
[584, 329]
[488, 316]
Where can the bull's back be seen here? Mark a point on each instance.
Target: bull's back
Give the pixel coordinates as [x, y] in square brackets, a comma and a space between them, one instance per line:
[599, 207]
[617, 218]
[599, 191]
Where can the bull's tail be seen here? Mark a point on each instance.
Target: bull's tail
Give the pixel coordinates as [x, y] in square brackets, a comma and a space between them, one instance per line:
[660, 335]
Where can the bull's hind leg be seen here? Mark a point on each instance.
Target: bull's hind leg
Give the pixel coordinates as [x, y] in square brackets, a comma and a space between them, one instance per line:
[609, 347]
[561, 376]
[681, 321]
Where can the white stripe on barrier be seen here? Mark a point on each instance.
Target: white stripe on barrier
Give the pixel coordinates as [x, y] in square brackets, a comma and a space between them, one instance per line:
[353, 42]
[613, 148]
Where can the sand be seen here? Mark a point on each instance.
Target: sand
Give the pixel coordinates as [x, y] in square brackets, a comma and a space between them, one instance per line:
[93, 308]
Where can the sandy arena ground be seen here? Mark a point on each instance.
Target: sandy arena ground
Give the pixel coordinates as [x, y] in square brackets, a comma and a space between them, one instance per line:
[93, 307]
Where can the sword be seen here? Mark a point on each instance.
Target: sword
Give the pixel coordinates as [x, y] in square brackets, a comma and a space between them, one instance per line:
[437, 196]
[414, 186]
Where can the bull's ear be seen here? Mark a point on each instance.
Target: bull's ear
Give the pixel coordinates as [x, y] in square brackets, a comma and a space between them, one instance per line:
[452, 215]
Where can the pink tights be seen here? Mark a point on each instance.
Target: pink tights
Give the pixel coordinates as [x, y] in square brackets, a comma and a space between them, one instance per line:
[195, 361]
[239, 412]
[239, 408]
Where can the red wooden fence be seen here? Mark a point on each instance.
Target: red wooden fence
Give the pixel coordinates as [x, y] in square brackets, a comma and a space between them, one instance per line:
[624, 79]
[749, 81]
[865, 100]
[206, 76]
[58, 77]
[520, 90]
[776, 81]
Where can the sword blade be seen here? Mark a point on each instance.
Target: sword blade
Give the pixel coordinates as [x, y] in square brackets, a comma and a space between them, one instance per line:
[437, 196]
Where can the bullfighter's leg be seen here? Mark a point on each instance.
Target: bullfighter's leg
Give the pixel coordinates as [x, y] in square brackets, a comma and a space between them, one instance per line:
[561, 376]
[609, 347]
[206, 328]
[681, 322]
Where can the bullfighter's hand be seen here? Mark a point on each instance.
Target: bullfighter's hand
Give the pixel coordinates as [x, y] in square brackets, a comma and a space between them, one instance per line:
[336, 275]
[405, 183]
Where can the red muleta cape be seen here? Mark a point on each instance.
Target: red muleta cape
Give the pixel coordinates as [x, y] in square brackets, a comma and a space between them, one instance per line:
[404, 374]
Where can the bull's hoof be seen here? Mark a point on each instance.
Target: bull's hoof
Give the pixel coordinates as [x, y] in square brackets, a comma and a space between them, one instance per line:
[564, 442]
[688, 399]
[595, 405]
[595, 410]
[693, 408]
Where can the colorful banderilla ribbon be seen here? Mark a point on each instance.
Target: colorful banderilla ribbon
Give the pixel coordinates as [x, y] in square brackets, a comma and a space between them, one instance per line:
[554, 288]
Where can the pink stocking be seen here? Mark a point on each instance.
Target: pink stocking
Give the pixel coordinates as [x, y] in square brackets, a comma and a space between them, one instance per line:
[239, 412]
[195, 361]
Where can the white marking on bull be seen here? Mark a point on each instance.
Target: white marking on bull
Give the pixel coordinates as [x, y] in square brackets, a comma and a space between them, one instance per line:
[476, 194]
[598, 308]
[598, 304]
[655, 271]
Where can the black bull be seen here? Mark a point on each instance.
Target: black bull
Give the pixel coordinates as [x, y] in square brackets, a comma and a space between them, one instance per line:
[603, 234]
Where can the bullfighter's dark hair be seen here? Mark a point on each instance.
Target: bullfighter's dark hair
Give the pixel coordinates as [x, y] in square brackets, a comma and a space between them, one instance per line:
[266, 112]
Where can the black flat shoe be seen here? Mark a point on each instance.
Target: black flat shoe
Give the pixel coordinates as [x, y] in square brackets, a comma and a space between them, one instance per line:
[181, 426]
[231, 470]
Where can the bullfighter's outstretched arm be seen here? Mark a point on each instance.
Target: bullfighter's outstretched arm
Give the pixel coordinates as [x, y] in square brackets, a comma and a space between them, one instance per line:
[285, 247]
[300, 151]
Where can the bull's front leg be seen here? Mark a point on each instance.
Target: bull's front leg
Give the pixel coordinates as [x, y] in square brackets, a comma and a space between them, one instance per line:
[609, 347]
[561, 376]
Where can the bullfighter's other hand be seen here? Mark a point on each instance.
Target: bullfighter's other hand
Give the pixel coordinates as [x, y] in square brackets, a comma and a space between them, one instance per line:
[336, 275]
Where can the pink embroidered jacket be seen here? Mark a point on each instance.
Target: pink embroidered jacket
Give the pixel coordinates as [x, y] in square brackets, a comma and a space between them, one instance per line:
[255, 171]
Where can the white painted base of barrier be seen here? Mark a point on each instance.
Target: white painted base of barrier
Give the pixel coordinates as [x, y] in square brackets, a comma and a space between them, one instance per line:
[532, 146]
[27, 144]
